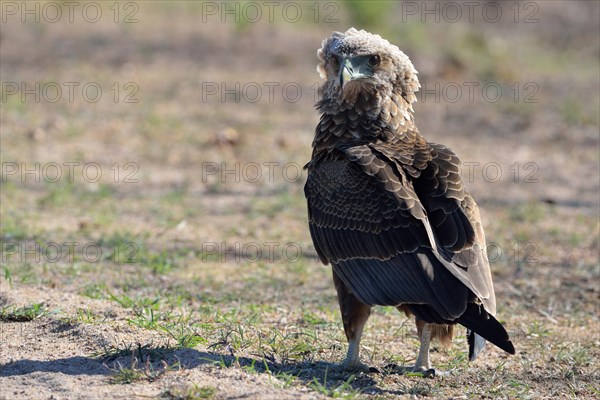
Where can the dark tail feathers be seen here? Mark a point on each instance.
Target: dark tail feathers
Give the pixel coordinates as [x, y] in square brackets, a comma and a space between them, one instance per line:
[479, 321]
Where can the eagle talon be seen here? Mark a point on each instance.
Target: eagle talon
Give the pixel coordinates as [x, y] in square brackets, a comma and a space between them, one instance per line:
[354, 367]
[431, 372]
[415, 371]
[427, 373]
[391, 368]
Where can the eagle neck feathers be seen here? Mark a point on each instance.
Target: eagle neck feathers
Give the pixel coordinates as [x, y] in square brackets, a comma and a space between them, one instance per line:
[363, 118]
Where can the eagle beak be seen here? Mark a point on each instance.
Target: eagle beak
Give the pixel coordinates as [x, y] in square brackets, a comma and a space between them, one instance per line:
[346, 72]
[354, 68]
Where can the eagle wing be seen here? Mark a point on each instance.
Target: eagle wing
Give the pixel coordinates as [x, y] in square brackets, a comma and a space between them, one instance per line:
[398, 227]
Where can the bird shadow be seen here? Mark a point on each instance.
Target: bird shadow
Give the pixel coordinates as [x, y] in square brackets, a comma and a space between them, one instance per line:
[321, 376]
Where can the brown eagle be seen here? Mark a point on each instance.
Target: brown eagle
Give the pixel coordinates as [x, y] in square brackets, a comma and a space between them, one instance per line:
[388, 210]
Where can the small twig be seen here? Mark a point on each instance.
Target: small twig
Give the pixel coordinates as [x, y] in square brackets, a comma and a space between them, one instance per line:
[548, 316]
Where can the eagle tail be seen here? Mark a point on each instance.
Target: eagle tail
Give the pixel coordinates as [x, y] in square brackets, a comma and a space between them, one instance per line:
[482, 325]
[476, 344]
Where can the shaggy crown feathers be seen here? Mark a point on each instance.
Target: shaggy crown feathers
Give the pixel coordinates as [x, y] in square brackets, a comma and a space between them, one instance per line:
[402, 75]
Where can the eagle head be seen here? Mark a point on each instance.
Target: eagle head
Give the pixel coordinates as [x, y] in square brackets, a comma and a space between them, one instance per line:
[357, 63]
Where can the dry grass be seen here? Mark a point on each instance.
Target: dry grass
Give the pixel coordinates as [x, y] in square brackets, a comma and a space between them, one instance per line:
[178, 279]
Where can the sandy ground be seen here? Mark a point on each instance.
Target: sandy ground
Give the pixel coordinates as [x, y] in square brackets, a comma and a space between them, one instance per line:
[269, 327]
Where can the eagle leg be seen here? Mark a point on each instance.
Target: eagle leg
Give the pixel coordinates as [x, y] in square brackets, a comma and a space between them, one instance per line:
[422, 366]
[423, 363]
[426, 333]
[354, 315]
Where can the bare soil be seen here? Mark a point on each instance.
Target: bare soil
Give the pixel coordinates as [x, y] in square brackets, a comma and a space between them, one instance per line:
[186, 270]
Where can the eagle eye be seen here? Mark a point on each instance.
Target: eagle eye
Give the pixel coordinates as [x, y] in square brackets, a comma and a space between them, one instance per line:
[374, 60]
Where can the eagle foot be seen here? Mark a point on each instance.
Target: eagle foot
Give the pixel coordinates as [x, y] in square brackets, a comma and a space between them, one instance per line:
[353, 367]
[415, 371]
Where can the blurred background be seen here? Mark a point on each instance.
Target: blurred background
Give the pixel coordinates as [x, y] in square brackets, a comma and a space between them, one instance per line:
[169, 137]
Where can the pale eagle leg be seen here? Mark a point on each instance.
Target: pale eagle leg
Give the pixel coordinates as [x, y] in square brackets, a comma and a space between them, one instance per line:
[354, 315]
[423, 364]
[352, 361]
